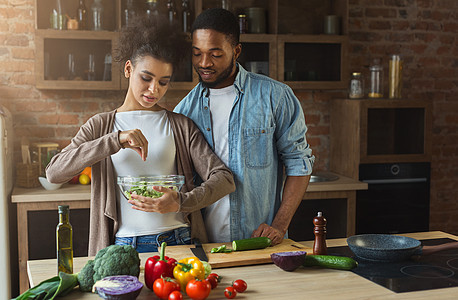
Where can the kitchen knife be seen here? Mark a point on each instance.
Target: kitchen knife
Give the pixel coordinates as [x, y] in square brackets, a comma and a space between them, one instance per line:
[199, 251]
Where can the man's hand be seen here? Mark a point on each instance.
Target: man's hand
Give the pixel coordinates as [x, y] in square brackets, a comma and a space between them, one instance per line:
[272, 233]
[165, 204]
[135, 140]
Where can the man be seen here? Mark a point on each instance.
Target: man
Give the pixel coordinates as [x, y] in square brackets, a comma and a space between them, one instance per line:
[255, 125]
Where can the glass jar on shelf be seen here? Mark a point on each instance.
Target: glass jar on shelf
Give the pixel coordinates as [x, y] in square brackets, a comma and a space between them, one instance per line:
[376, 79]
[81, 15]
[152, 8]
[97, 15]
[356, 88]
[395, 77]
[129, 13]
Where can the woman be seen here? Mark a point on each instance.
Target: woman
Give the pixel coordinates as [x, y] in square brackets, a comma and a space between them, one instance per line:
[141, 138]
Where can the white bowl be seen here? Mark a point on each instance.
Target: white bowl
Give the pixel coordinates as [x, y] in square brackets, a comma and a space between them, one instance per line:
[48, 185]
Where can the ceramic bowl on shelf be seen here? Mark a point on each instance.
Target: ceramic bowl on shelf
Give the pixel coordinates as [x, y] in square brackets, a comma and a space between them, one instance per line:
[143, 185]
[48, 185]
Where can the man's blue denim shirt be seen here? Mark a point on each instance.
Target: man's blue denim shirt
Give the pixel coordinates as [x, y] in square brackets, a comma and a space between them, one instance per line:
[266, 132]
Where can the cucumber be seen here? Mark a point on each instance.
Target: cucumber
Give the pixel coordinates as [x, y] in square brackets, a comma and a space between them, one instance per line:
[330, 261]
[251, 244]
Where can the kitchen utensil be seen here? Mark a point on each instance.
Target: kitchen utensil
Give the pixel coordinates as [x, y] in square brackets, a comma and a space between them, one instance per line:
[144, 184]
[199, 251]
[391, 248]
[236, 258]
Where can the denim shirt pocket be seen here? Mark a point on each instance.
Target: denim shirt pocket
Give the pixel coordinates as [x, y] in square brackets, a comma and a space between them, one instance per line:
[258, 144]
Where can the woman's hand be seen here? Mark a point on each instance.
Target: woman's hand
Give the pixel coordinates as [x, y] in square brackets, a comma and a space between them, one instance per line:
[167, 203]
[134, 139]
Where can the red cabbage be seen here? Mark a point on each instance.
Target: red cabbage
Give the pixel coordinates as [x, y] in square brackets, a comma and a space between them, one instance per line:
[120, 287]
[288, 261]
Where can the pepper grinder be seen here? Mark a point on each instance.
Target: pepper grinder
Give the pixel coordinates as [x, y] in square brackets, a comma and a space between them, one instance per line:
[319, 245]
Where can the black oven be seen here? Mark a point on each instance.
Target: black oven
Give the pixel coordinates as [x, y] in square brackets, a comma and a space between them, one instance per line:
[397, 198]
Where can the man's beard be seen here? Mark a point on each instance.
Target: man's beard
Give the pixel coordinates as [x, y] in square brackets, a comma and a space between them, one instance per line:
[223, 76]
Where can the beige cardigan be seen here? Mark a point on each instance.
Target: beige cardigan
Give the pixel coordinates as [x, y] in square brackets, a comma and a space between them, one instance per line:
[93, 146]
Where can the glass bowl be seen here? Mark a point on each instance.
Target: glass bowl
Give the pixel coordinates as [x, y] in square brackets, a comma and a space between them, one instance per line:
[143, 185]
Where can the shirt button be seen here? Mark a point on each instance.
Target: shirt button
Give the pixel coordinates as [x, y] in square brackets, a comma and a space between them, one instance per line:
[263, 131]
[208, 129]
[205, 107]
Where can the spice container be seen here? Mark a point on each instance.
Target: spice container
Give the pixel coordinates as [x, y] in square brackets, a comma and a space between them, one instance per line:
[376, 79]
[395, 77]
[243, 24]
[256, 19]
[356, 88]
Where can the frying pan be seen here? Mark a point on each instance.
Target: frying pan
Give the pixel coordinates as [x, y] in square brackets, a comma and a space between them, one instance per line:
[391, 248]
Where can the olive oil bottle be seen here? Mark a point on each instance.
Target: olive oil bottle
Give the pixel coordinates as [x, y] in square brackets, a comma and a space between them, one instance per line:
[64, 238]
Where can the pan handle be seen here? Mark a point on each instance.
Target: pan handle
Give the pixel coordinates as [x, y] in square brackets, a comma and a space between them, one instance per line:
[426, 250]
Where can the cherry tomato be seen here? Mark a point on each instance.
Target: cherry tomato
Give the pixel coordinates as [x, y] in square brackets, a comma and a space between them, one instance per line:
[212, 280]
[198, 289]
[162, 287]
[239, 285]
[215, 275]
[230, 292]
[175, 295]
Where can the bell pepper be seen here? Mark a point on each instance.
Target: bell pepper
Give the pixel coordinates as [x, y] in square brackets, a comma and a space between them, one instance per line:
[158, 266]
[188, 269]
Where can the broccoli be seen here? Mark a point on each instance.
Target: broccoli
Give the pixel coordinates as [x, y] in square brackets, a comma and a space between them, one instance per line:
[112, 260]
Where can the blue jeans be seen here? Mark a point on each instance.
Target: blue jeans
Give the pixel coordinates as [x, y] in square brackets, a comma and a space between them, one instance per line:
[151, 243]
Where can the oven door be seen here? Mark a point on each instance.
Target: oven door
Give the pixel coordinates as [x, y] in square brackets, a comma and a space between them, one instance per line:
[396, 201]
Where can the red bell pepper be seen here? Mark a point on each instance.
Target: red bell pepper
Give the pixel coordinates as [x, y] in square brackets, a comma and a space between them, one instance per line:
[158, 266]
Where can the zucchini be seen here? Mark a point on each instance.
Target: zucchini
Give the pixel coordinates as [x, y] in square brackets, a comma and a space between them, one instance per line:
[330, 261]
[251, 244]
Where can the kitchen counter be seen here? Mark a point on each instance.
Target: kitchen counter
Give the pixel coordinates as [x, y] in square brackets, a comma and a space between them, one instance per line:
[77, 196]
[274, 283]
[73, 192]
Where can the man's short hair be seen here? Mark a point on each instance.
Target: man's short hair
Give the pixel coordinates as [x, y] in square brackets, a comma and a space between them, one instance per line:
[220, 20]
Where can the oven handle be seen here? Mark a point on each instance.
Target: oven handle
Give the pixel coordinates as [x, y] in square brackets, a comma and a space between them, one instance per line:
[399, 180]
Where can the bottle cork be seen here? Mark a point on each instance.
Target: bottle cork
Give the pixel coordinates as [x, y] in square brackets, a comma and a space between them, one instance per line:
[319, 245]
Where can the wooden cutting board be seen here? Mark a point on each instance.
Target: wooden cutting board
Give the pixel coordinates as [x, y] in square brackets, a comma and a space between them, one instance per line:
[236, 258]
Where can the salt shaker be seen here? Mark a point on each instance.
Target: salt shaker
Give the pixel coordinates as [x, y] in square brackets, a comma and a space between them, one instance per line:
[319, 245]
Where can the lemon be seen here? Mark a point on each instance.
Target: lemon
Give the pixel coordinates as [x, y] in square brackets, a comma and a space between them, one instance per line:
[84, 179]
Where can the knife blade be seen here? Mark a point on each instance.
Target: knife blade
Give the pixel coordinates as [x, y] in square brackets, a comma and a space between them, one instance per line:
[199, 251]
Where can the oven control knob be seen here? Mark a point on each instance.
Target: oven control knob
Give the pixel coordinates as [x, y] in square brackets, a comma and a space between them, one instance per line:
[395, 169]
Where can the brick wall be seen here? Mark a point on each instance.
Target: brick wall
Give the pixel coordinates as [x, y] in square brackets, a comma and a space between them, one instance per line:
[424, 32]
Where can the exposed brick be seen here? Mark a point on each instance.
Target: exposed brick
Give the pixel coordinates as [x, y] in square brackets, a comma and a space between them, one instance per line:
[380, 12]
[17, 40]
[379, 25]
[23, 53]
[59, 119]
[22, 79]
[19, 66]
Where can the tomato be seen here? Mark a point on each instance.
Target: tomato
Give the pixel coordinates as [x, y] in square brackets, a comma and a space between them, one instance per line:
[239, 285]
[212, 280]
[162, 287]
[230, 293]
[175, 295]
[215, 275]
[198, 289]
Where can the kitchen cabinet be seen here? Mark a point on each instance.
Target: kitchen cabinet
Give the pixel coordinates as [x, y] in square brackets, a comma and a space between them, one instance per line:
[293, 49]
[386, 144]
[370, 131]
[35, 204]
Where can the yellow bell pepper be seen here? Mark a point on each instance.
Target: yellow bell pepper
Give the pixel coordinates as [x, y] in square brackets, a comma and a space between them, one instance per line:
[188, 269]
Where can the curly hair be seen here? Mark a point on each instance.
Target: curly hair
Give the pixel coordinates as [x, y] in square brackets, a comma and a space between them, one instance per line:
[153, 36]
[220, 20]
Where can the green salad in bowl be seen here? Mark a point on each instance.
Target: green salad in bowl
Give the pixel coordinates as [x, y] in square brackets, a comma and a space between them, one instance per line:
[143, 185]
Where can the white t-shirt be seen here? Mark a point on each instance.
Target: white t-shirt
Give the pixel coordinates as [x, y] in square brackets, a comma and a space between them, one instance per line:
[217, 216]
[155, 126]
